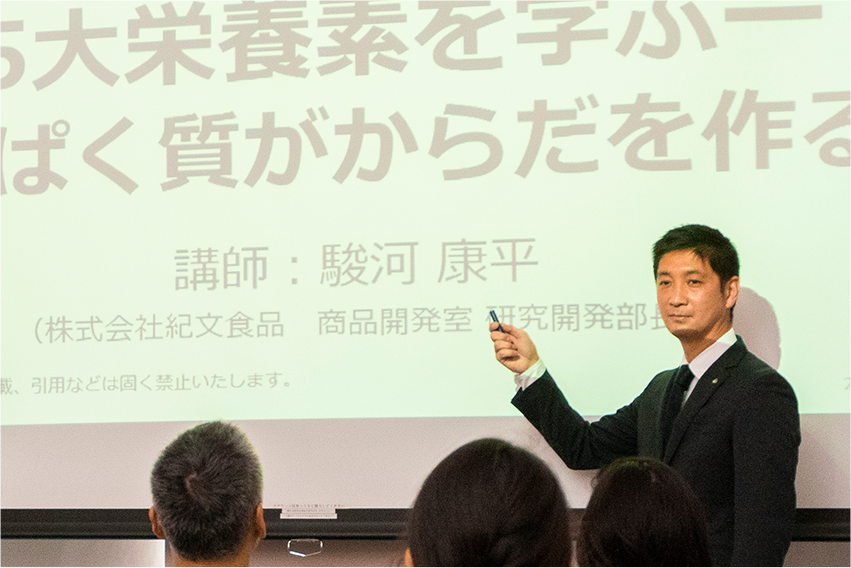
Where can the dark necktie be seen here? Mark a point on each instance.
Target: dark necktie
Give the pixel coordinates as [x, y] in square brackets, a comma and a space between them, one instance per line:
[674, 401]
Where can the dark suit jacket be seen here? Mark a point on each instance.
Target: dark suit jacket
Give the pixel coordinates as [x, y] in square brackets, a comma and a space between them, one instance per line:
[735, 440]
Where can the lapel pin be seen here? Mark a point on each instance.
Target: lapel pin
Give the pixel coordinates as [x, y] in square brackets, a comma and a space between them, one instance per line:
[714, 381]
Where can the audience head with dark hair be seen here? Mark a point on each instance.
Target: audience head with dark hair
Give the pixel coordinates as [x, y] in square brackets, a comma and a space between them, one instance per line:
[207, 486]
[489, 503]
[643, 513]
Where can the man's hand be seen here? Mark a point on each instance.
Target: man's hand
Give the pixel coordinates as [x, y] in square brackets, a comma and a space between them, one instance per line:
[513, 348]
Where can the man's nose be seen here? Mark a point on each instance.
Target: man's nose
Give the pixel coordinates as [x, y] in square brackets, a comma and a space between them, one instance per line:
[678, 295]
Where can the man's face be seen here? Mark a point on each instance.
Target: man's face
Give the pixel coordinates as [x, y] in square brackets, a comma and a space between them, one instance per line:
[691, 301]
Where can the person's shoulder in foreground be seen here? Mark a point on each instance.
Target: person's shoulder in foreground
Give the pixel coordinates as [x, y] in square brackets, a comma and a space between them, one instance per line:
[207, 486]
[489, 503]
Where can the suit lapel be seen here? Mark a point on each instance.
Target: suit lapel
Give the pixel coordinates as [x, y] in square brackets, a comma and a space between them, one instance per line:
[709, 383]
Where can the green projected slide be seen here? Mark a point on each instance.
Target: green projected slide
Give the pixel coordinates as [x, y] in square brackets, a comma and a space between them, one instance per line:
[253, 211]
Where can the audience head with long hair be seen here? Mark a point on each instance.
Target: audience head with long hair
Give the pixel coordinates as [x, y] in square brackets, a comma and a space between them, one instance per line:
[206, 487]
[643, 513]
[489, 503]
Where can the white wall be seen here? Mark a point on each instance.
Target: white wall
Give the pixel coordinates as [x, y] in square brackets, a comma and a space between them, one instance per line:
[60, 552]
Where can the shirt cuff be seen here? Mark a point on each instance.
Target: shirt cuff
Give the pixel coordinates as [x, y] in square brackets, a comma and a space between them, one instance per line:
[531, 375]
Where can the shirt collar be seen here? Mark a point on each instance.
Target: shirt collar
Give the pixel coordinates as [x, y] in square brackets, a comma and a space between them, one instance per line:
[708, 356]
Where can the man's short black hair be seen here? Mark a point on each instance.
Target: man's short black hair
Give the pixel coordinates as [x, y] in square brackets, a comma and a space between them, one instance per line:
[706, 242]
[206, 486]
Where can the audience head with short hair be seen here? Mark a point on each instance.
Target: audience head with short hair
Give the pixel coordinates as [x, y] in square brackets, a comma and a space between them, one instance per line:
[207, 486]
[490, 503]
[643, 513]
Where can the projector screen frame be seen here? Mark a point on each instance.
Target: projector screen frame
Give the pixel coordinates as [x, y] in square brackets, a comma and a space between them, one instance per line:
[811, 525]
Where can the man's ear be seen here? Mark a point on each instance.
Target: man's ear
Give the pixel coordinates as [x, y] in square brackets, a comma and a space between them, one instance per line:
[731, 291]
[259, 522]
[155, 523]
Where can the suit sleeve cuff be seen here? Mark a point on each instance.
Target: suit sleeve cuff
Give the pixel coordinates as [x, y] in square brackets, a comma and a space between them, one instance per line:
[530, 375]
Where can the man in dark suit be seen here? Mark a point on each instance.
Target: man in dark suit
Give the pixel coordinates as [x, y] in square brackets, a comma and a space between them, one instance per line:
[725, 419]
